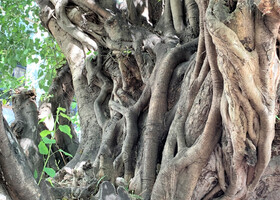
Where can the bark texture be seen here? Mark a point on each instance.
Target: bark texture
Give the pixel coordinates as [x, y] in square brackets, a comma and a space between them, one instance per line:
[25, 127]
[18, 180]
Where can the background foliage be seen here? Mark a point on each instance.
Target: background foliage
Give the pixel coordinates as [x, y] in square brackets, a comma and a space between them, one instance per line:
[24, 41]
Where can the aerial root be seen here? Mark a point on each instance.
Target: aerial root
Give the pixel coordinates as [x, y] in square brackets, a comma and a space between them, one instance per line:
[214, 191]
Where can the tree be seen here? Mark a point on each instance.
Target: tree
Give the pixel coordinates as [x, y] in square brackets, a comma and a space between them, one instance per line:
[177, 99]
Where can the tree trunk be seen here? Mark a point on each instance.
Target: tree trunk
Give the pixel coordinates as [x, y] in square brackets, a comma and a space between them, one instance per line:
[177, 99]
[16, 175]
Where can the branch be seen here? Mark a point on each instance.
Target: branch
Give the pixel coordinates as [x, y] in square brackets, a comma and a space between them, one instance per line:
[168, 18]
[154, 129]
[268, 7]
[26, 127]
[95, 7]
[46, 11]
[70, 28]
[95, 29]
[132, 12]
[177, 14]
[228, 44]
[14, 166]
[95, 71]
[193, 15]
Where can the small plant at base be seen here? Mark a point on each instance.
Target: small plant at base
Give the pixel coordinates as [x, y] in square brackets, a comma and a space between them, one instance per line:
[46, 151]
[92, 54]
[127, 52]
[135, 196]
[132, 195]
[98, 183]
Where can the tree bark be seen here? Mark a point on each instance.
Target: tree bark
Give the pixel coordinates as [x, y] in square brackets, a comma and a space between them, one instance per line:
[176, 105]
[18, 179]
[25, 127]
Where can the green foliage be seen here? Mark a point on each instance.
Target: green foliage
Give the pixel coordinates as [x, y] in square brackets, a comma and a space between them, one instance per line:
[50, 181]
[49, 171]
[44, 133]
[35, 175]
[127, 52]
[75, 117]
[43, 149]
[59, 109]
[46, 97]
[48, 139]
[18, 20]
[132, 195]
[73, 105]
[7, 85]
[4, 101]
[98, 183]
[92, 55]
[65, 116]
[65, 129]
[24, 41]
[135, 196]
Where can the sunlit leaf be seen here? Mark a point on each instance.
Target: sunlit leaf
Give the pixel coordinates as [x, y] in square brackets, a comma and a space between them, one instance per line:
[65, 129]
[42, 120]
[4, 101]
[61, 109]
[65, 116]
[43, 149]
[49, 171]
[48, 141]
[44, 133]
[36, 60]
[73, 105]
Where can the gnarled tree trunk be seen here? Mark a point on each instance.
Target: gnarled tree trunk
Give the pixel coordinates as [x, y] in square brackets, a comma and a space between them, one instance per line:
[177, 98]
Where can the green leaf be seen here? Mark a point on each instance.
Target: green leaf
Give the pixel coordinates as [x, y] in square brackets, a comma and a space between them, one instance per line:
[4, 101]
[65, 129]
[35, 175]
[43, 149]
[61, 109]
[48, 141]
[49, 171]
[36, 60]
[44, 133]
[73, 105]
[65, 116]
[65, 153]
[277, 117]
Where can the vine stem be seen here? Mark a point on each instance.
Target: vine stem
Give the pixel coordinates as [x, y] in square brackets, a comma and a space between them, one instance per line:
[50, 147]
[45, 164]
